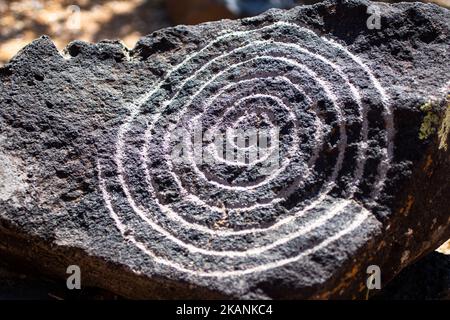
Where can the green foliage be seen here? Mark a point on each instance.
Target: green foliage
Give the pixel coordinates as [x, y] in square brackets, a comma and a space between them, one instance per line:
[430, 122]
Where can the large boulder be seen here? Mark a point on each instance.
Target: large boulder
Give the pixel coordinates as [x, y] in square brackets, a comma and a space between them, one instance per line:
[92, 173]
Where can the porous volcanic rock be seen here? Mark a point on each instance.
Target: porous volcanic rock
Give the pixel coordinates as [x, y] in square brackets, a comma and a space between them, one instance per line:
[90, 170]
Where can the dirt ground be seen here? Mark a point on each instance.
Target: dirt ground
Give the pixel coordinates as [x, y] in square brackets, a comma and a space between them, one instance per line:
[65, 21]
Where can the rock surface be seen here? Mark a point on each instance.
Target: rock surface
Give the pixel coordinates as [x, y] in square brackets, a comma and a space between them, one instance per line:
[89, 174]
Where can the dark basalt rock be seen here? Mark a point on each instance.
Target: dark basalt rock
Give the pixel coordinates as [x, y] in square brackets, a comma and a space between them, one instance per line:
[89, 176]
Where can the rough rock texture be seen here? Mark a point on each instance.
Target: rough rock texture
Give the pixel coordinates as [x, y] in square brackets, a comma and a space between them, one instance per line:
[89, 173]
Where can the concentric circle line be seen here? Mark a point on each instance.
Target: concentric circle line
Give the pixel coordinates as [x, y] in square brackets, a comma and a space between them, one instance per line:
[176, 217]
[335, 209]
[237, 49]
[194, 249]
[136, 104]
[282, 78]
[388, 119]
[365, 214]
[262, 43]
[312, 74]
[225, 233]
[318, 137]
[276, 200]
[359, 166]
[190, 156]
[241, 101]
[342, 143]
[362, 110]
[214, 129]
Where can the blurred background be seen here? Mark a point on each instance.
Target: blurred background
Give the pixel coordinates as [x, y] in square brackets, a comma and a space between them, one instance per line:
[94, 20]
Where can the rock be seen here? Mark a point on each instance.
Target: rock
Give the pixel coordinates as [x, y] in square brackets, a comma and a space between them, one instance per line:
[93, 174]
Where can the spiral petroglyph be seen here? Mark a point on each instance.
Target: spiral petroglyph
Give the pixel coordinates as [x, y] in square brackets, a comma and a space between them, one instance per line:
[225, 217]
[272, 157]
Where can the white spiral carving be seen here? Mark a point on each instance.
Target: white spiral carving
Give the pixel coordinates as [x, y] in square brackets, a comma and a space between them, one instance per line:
[223, 219]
